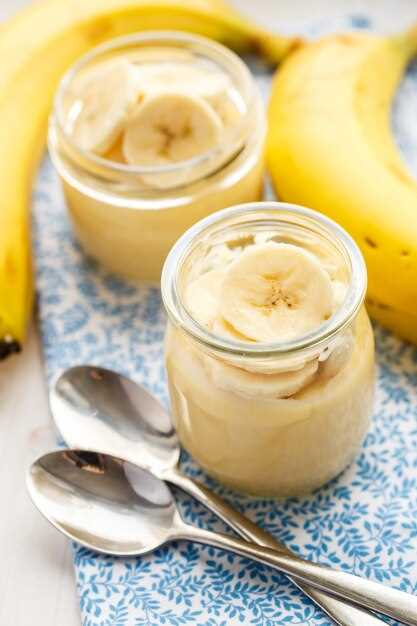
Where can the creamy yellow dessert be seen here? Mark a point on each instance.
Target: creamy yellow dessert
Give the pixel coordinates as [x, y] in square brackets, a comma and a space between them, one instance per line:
[150, 135]
[264, 397]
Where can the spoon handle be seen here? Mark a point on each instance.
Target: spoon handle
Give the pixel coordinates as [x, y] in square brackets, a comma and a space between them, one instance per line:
[341, 613]
[391, 602]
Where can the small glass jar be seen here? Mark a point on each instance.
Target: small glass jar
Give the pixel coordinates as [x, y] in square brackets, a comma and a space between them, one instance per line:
[259, 444]
[128, 217]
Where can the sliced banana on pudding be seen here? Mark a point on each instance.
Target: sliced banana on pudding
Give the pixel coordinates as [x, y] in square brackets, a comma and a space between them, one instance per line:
[253, 385]
[275, 292]
[105, 96]
[269, 292]
[184, 78]
[202, 297]
[213, 86]
[227, 110]
[170, 127]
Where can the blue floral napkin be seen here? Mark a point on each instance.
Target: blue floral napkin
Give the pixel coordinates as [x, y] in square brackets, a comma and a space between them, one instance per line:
[364, 522]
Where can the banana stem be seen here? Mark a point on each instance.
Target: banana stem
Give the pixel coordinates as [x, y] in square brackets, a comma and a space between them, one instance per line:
[408, 41]
[412, 39]
[273, 48]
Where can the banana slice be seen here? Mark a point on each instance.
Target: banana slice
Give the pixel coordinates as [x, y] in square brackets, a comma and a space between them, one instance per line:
[275, 292]
[338, 355]
[154, 78]
[170, 127]
[226, 109]
[115, 153]
[105, 95]
[218, 257]
[213, 86]
[251, 385]
[222, 328]
[202, 297]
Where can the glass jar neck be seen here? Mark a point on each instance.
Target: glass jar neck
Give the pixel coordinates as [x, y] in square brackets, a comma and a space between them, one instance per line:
[282, 220]
[123, 177]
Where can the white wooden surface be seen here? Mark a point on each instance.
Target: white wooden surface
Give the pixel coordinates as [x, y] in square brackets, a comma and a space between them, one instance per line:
[36, 574]
[36, 577]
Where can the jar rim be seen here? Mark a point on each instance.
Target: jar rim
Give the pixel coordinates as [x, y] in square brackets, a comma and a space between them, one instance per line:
[261, 211]
[164, 37]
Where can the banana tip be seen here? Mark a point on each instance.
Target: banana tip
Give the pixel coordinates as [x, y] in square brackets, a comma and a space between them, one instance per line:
[8, 346]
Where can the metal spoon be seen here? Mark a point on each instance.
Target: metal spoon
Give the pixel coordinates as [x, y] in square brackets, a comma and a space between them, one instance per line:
[113, 506]
[97, 409]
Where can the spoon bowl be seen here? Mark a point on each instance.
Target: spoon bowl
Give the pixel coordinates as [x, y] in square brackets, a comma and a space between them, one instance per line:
[96, 408]
[102, 502]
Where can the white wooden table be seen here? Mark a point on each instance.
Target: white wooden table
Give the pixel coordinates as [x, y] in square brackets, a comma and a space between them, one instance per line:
[36, 576]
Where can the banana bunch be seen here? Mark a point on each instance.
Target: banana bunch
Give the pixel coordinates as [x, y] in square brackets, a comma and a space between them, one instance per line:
[330, 147]
[36, 47]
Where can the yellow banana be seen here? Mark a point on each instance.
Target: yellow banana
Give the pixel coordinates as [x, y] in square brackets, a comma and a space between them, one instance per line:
[36, 47]
[330, 147]
[402, 323]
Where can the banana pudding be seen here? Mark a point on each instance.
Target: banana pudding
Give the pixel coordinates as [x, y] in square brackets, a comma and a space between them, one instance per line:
[269, 350]
[150, 134]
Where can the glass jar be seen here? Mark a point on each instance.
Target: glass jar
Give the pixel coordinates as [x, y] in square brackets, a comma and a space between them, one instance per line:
[128, 217]
[250, 440]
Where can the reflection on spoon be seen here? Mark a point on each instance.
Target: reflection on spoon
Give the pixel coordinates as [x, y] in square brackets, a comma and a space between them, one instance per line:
[116, 507]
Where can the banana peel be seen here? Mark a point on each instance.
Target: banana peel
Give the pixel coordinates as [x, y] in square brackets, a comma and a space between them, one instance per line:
[330, 147]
